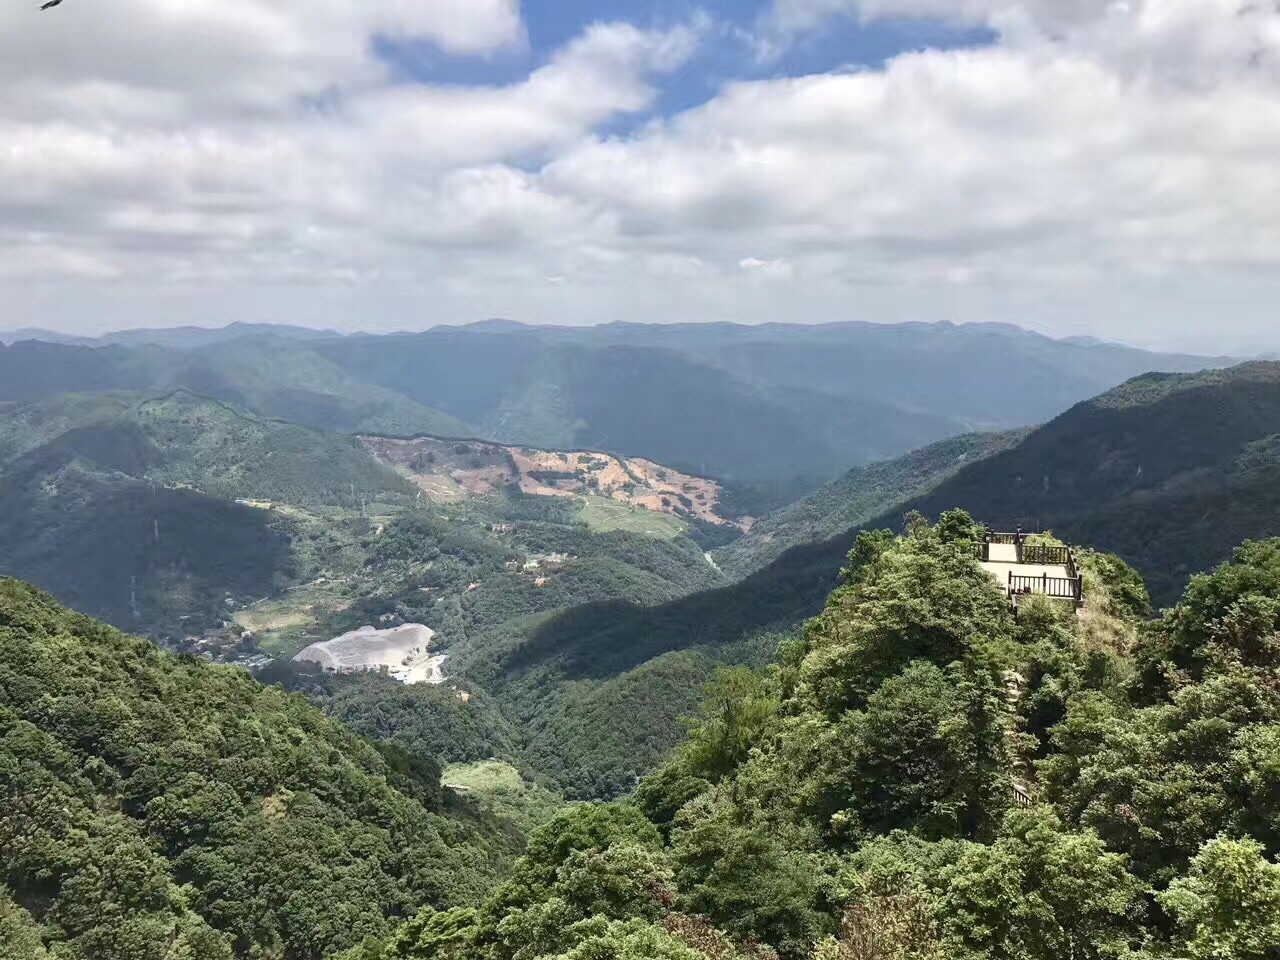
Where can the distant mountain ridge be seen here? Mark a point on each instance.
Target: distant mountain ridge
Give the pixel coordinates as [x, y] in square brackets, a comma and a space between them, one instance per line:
[180, 338]
[774, 410]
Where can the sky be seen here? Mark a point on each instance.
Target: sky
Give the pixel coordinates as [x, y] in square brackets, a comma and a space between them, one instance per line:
[1080, 168]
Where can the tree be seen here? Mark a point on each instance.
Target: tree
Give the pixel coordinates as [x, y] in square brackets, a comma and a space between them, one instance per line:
[744, 878]
[1231, 615]
[919, 600]
[956, 526]
[19, 934]
[926, 754]
[1228, 907]
[737, 708]
[885, 924]
[1038, 891]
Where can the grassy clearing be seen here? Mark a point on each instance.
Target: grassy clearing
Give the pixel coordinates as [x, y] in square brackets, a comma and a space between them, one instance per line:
[284, 626]
[267, 619]
[498, 789]
[484, 777]
[606, 516]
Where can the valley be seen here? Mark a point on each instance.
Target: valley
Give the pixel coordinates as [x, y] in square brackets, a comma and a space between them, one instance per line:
[678, 480]
[542, 623]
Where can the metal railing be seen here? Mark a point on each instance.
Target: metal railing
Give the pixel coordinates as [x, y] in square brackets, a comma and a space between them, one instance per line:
[1061, 588]
[1045, 555]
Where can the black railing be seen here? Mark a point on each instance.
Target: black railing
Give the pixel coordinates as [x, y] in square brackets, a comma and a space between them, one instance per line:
[1045, 555]
[1061, 588]
[1022, 796]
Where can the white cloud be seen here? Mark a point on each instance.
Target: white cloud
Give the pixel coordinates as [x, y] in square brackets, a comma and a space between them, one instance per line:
[1100, 164]
[201, 54]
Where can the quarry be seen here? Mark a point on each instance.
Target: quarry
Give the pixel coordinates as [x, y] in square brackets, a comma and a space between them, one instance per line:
[402, 653]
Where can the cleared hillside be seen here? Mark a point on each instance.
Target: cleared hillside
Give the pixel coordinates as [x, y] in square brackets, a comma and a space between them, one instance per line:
[449, 471]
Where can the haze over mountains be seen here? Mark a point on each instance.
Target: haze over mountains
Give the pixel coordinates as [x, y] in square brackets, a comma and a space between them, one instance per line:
[242, 494]
[780, 407]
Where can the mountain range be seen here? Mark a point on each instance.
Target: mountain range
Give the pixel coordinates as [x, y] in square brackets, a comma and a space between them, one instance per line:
[774, 410]
[238, 493]
[1168, 471]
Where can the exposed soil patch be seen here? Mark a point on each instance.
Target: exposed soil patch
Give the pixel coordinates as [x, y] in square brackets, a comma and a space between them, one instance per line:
[450, 470]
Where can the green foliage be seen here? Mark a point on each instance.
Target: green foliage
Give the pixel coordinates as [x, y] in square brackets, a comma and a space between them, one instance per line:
[927, 753]
[156, 804]
[19, 934]
[1229, 615]
[737, 708]
[1228, 906]
[923, 600]
[742, 877]
[956, 526]
[433, 935]
[865, 814]
[632, 940]
[1038, 891]
[1114, 586]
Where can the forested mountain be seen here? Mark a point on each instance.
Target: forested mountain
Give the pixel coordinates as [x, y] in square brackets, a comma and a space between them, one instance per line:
[1169, 471]
[171, 514]
[124, 505]
[271, 375]
[774, 410]
[860, 495]
[857, 796]
[157, 807]
[921, 776]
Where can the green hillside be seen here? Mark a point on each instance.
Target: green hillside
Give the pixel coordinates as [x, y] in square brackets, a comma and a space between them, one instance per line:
[284, 378]
[180, 439]
[921, 776]
[1208, 478]
[860, 495]
[1169, 471]
[157, 807]
[123, 504]
[271, 375]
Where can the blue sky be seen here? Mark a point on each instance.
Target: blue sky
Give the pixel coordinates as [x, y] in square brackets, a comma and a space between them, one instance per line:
[727, 52]
[1076, 166]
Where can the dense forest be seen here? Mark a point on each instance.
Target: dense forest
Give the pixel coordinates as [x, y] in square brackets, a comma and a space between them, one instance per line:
[860, 798]
[158, 807]
[918, 775]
